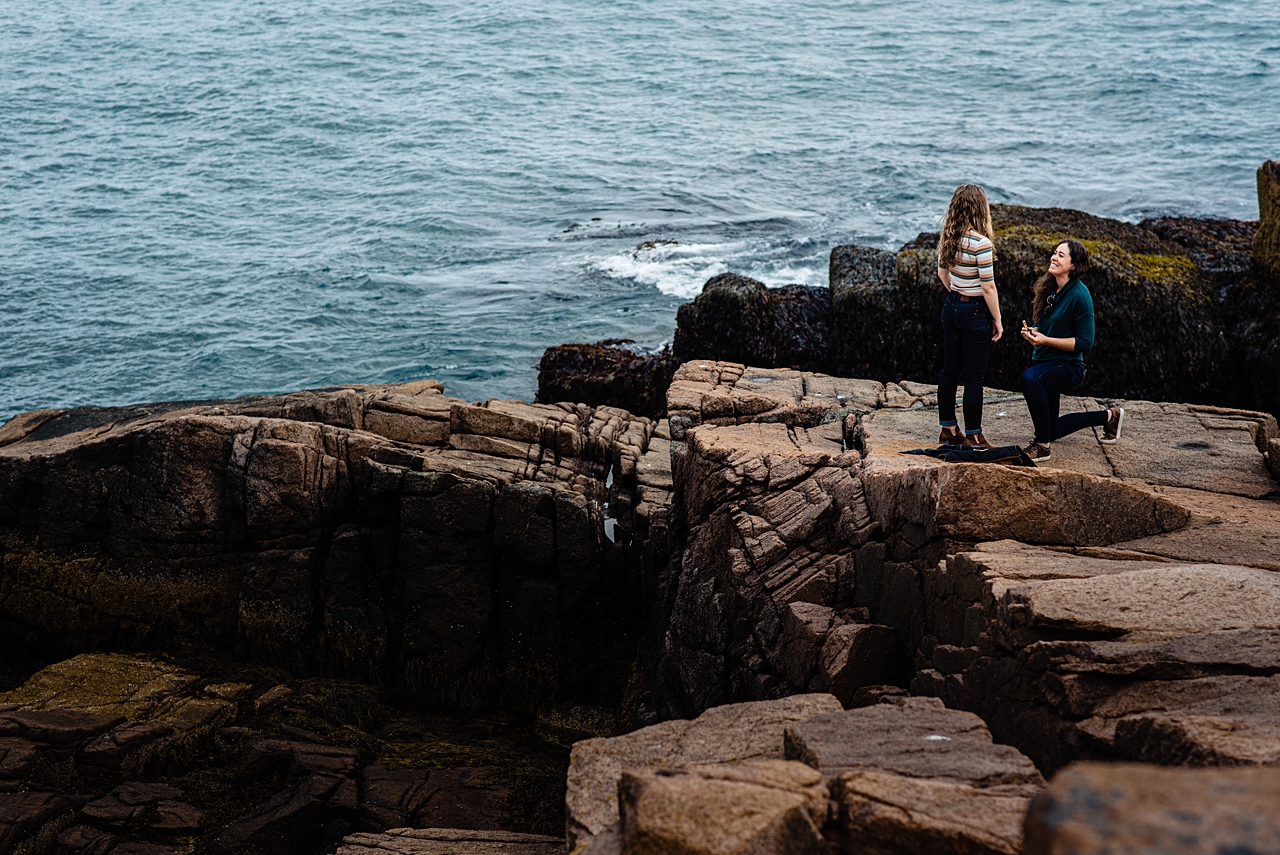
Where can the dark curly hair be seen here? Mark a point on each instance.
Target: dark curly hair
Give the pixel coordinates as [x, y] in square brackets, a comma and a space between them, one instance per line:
[1047, 284]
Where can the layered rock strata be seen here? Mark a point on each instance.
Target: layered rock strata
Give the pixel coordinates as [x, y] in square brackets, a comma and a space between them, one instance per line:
[611, 372]
[450, 841]
[724, 736]
[1093, 808]
[128, 751]
[467, 553]
[903, 776]
[769, 539]
[1055, 601]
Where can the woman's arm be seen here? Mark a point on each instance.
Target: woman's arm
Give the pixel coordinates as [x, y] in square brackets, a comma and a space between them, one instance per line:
[992, 297]
[1037, 338]
[945, 275]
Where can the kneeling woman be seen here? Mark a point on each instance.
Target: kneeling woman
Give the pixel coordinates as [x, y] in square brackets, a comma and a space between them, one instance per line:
[1063, 312]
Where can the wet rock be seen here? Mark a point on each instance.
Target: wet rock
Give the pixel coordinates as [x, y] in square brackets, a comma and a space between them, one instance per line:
[23, 816]
[272, 698]
[755, 806]
[726, 734]
[133, 805]
[138, 847]
[85, 840]
[1119, 807]
[17, 756]
[294, 821]
[450, 841]
[876, 330]
[1220, 248]
[435, 798]
[737, 319]
[609, 373]
[1266, 244]
[55, 727]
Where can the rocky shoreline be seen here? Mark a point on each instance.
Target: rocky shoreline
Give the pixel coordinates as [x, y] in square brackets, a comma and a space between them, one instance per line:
[1187, 310]
[377, 619]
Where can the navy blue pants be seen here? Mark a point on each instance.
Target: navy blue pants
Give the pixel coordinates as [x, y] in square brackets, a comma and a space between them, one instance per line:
[966, 349]
[1043, 385]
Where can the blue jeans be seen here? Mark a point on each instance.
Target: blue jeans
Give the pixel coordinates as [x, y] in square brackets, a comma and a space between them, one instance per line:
[1043, 385]
[966, 348]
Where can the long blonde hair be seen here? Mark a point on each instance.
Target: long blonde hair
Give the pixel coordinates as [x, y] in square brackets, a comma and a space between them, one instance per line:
[968, 210]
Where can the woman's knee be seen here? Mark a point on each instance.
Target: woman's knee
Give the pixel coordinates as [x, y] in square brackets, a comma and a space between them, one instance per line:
[1030, 379]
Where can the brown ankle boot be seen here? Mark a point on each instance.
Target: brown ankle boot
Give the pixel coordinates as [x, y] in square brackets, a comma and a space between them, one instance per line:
[976, 440]
[951, 436]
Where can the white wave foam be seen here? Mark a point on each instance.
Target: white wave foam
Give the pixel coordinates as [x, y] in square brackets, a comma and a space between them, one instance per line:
[676, 269]
[681, 269]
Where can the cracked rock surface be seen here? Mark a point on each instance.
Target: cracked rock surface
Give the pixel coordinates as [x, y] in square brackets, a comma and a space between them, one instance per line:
[463, 552]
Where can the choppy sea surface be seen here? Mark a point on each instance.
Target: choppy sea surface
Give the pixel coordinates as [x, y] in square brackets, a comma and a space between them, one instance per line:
[225, 197]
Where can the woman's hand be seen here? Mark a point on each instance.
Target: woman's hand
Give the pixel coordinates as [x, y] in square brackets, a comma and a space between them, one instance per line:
[999, 330]
[1034, 336]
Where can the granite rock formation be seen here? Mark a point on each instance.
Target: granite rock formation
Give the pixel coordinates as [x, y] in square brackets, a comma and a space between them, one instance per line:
[1058, 602]
[609, 373]
[902, 776]
[1093, 808]
[737, 319]
[752, 806]
[788, 574]
[464, 553]
[728, 735]
[128, 750]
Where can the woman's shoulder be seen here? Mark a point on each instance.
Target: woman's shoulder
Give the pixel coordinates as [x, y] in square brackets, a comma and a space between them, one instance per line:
[1081, 291]
[976, 240]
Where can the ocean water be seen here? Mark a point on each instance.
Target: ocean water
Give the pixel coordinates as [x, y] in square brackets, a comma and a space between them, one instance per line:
[226, 197]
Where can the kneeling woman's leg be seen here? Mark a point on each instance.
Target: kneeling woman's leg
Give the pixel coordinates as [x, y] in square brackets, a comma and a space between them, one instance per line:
[1072, 422]
[1043, 385]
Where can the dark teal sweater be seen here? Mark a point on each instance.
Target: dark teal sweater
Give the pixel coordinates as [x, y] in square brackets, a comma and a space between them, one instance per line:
[1071, 316]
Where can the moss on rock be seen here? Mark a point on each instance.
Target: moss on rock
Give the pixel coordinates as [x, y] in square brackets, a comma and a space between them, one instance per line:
[119, 684]
[1266, 243]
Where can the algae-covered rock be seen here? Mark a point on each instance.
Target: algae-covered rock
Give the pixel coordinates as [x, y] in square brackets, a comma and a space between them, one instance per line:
[739, 319]
[1158, 329]
[126, 750]
[1266, 244]
[873, 334]
[1178, 316]
[609, 372]
[1158, 334]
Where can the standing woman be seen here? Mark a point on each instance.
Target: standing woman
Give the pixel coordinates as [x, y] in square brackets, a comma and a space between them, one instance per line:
[970, 316]
[1063, 313]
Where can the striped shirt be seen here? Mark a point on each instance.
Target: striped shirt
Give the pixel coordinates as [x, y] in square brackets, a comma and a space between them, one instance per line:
[973, 264]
